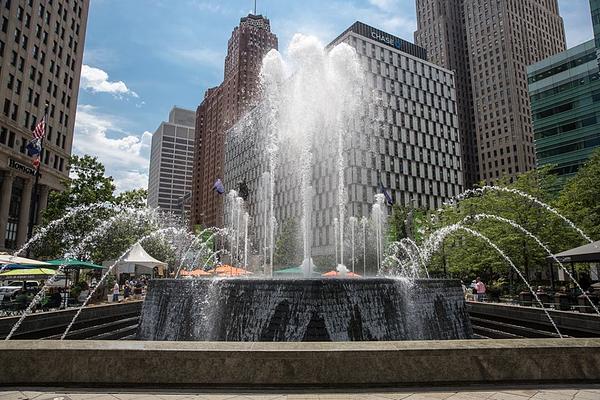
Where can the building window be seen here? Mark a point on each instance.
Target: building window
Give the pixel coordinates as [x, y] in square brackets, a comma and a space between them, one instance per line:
[14, 210]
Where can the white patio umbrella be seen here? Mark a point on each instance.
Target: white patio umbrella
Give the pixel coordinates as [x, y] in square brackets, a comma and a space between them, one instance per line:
[6, 258]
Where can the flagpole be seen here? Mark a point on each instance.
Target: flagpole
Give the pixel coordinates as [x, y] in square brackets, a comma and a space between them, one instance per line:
[36, 186]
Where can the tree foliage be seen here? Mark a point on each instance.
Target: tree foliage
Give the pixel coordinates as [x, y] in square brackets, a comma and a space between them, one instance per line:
[89, 186]
[288, 247]
[464, 256]
[580, 199]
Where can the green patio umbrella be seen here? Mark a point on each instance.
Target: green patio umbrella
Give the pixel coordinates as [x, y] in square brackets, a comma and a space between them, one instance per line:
[293, 271]
[29, 273]
[289, 271]
[74, 264]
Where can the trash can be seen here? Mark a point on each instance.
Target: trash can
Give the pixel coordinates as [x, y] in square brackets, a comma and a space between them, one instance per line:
[544, 298]
[525, 298]
[561, 301]
[585, 305]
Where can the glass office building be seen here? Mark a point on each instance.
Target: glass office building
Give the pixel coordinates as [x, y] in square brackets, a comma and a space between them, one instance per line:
[565, 105]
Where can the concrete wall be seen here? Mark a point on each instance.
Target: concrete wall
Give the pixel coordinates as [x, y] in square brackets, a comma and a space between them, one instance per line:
[366, 364]
[47, 322]
[566, 321]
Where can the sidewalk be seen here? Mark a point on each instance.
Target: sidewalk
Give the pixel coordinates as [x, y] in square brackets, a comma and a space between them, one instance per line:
[581, 392]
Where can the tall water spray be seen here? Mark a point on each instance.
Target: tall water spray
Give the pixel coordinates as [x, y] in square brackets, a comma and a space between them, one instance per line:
[353, 222]
[378, 219]
[311, 98]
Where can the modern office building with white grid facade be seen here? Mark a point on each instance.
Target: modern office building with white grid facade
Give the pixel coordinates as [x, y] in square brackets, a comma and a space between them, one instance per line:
[406, 136]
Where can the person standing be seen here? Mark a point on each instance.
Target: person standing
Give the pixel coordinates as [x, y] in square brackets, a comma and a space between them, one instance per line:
[480, 289]
[116, 292]
[126, 291]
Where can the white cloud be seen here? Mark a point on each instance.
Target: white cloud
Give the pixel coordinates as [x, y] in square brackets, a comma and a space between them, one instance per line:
[130, 180]
[383, 4]
[125, 155]
[96, 81]
[209, 6]
[393, 16]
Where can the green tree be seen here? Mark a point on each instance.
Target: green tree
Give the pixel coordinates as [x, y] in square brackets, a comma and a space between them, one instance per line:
[89, 185]
[288, 247]
[397, 223]
[465, 256]
[580, 198]
[135, 198]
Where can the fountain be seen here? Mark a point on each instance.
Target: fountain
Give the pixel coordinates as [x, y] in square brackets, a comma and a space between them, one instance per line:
[304, 310]
[310, 101]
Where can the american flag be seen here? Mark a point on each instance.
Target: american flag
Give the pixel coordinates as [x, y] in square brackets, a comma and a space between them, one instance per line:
[40, 129]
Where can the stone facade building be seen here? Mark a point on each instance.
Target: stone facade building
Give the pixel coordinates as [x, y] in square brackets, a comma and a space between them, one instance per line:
[502, 38]
[41, 50]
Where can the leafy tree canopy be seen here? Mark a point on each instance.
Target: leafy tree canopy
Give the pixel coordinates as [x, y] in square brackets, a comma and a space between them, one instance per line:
[89, 185]
[463, 256]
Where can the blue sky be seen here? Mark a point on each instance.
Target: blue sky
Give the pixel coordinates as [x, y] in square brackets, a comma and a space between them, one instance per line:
[142, 57]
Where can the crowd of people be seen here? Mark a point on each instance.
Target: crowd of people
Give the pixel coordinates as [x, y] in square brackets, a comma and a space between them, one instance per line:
[131, 289]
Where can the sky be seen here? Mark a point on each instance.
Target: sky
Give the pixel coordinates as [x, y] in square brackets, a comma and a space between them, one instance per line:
[142, 57]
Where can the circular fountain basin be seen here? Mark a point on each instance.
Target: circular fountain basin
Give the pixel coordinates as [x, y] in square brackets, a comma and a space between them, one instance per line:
[294, 310]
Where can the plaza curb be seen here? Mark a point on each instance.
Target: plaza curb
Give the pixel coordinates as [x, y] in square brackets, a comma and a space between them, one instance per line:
[315, 364]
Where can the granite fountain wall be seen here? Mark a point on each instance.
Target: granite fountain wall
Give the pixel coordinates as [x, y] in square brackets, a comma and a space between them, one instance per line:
[293, 310]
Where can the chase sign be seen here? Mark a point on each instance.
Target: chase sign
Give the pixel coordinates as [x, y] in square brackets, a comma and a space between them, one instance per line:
[386, 39]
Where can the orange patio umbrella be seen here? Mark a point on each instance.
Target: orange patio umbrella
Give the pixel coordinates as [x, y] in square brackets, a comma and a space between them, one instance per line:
[336, 274]
[228, 270]
[196, 272]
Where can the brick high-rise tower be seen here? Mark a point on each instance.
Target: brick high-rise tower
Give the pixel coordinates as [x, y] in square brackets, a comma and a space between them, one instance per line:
[489, 44]
[221, 108]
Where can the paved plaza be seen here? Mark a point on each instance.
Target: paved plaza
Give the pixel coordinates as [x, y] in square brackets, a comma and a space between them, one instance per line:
[581, 392]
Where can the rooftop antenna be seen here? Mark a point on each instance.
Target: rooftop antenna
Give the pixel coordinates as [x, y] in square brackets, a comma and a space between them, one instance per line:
[254, 7]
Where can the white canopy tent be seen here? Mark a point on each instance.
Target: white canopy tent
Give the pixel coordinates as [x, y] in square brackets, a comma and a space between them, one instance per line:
[137, 262]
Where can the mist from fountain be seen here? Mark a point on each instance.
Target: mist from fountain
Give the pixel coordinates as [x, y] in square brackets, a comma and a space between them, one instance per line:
[484, 189]
[132, 216]
[364, 222]
[310, 100]
[379, 220]
[353, 222]
[164, 232]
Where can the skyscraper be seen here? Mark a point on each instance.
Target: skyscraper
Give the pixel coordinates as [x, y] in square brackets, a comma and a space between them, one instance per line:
[502, 38]
[443, 39]
[41, 50]
[222, 107]
[171, 162]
